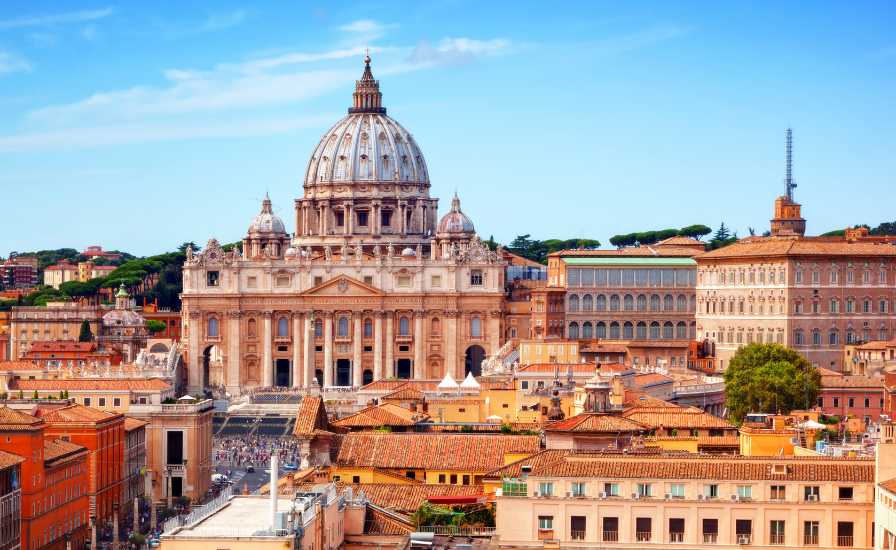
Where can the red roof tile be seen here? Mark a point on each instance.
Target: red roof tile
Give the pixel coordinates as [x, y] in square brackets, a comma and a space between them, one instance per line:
[591, 423]
[74, 413]
[8, 460]
[13, 420]
[675, 417]
[311, 418]
[98, 384]
[59, 448]
[387, 414]
[805, 246]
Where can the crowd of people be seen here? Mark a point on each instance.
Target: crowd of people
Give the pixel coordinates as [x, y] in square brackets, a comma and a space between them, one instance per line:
[241, 451]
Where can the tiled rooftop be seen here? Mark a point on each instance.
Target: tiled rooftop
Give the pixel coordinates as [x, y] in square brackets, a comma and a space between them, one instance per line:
[9, 459]
[73, 413]
[59, 448]
[594, 423]
[675, 417]
[11, 420]
[98, 384]
[387, 414]
[805, 246]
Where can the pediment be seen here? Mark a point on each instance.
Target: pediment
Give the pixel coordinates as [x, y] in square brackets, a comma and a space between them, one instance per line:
[343, 285]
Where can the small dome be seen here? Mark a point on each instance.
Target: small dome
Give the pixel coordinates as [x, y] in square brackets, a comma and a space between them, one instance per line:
[455, 222]
[266, 221]
[123, 317]
[291, 252]
[408, 252]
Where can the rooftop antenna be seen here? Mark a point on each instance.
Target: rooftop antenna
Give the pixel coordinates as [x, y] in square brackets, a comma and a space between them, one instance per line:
[788, 178]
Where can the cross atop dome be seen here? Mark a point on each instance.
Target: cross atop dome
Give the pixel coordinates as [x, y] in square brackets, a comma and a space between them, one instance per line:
[367, 97]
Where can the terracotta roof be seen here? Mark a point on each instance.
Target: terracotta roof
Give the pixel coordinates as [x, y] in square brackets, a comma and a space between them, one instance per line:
[11, 419]
[731, 440]
[850, 381]
[647, 251]
[427, 385]
[515, 469]
[675, 417]
[20, 365]
[889, 485]
[381, 522]
[438, 451]
[680, 240]
[597, 347]
[562, 369]
[404, 393]
[591, 423]
[62, 345]
[99, 384]
[876, 345]
[312, 417]
[722, 468]
[74, 413]
[8, 459]
[828, 372]
[638, 398]
[131, 424]
[59, 448]
[404, 497]
[387, 414]
[651, 379]
[805, 246]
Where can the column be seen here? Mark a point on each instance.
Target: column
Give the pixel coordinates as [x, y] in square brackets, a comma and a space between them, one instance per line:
[402, 218]
[494, 332]
[298, 369]
[232, 378]
[378, 346]
[451, 362]
[349, 217]
[194, 375]
[418, 226]
[308, 355]
[328, 349]
[419, 360]
[390, 345]
[267, 366]
[357, 370]
[376, 219]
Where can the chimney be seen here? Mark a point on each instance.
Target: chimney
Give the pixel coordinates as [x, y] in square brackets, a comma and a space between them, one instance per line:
[274, 489]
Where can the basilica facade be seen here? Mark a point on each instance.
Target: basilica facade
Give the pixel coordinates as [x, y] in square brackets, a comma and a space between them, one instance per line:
[372, 284]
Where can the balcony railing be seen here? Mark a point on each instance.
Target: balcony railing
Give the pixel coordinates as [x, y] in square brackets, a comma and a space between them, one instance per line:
[456, 530]
[776, 538]
[642, 536]
[676, 536]
[844, 540]
[710, 538]
[744, 539]
[577, 534]
[810, 540]
[611, 536]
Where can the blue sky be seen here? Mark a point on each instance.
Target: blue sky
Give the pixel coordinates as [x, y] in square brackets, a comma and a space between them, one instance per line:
[141, 125]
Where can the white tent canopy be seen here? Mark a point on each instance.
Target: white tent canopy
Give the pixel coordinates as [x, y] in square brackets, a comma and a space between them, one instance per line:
[447, 383]
[812, 425]
[470, 382]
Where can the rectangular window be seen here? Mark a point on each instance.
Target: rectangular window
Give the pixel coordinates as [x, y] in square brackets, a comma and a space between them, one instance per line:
[477, 278]
[386, 218]
[340, 218]
[211, 278]
[745, 492]
[778, 492]
[578, 489]
[436, 281]
[776, 531]
[710, 530]
[546, 523]
[368, 279]
[441, 478]
[611, 489]
[577, 526]
[86, 401]
[251, 282]
[362, 219]
[453, 479]
[676, 490]
[610, 529]
[403, 281]
[318, 280]
[810, 533]
[810, 493]
[546, 488]
[676, 529]
[844, 493]
[743, 529]
[116, 401]
[643, 529]
[711, 491]
[102, 401]
[844, 533]
[644, 489]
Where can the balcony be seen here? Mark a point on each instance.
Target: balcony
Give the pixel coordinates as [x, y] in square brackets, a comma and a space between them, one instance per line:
[776, 538]
[844, 540]
[577, 534]
[676, 536]
[810, 540]
[545, 534]
[642, 536]
[611, 536]
[743, 539]
[710, 538]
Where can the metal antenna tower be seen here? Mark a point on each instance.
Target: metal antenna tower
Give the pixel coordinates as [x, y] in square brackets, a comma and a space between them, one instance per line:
[788, 178]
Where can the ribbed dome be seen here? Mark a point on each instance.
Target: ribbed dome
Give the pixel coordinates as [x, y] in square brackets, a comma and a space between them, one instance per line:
[455, 222]
[266, 221]
[367, 145]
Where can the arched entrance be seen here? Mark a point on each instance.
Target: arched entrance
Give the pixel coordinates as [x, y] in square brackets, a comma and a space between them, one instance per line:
[210, 357]
[403, 368]
[368, 376]
[473, 360]
[281, 373]
[343, 372]
[319, 376]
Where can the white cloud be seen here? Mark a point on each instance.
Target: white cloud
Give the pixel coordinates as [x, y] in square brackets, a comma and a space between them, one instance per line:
[13, 63]
[457, 50]
[364, 31]
[222, 21]
[48, 20]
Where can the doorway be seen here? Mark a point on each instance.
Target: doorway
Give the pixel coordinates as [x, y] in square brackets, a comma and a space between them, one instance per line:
[368, 376]
[319, 376]
[473, 360]
[403, 368]
[343, 372]
[281, 373]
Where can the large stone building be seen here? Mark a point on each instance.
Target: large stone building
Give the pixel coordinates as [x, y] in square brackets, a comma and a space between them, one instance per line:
[371, 284]
[813, 294]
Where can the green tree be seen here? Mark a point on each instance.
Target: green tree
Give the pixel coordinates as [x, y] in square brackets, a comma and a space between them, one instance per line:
[769, 378]
[154, 326]
[696, 231]
[86, 335]
[722, 233]
[619, 241]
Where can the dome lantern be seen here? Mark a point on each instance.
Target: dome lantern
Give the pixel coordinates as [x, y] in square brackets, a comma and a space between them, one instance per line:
[367, 97]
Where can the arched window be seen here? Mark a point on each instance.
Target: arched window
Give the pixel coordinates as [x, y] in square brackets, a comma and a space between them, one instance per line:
[614, 302]
[654, 302]
[798, 337]
[251, 328]
[833, 338]
[614, 330]
[318, 328]
[475, 327]
[587, 303]
[681, 330]
[641, 330]
[282, 327]
[573, 330]
[342, 327]
[642, 302]
[668, 302]
[573, 302]
[404, 327]
[587, 330]
[435, 326]
[850, 305]
[628, 330]
[866, 306]
[850, 336]
[667, 330]
[683, 304]
[368, 328]
[816, 334]
[601, 303]
[628, 302]
[601, 329]
[654, 331]
[212, 331]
